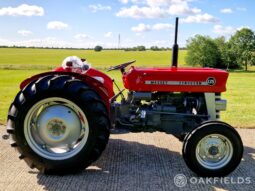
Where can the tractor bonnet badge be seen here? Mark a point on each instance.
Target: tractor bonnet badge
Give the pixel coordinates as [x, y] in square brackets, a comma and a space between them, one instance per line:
[211, 81]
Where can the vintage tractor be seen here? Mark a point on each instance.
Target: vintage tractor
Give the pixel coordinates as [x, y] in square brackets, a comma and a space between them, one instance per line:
[60, 121]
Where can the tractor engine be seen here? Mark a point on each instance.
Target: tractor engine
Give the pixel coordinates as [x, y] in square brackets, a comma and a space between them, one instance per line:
[174, 113]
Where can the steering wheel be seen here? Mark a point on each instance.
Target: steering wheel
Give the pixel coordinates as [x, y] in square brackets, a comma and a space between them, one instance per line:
[121, 67]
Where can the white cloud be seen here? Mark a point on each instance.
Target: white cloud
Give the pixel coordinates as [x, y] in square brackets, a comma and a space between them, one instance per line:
[183, 9]
[158, 9]
[225, 31]
[4, 42]
[160, 2]
[88, 43]
[123, 1]
[141, 28]
[133, 1]
[242, 27]
[108, 34]
[57, 25]
[82, 36]
[24, 32]
[162, 26]
[142, 12]
[200, 18]
[45, 42]
[145, 28]
[22, 10]
[161, 43]
[99, 7]
[226, 10]
[51, 42]
[138, 34]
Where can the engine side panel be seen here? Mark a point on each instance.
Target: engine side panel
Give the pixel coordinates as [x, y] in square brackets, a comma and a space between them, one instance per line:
[176, 80]
[173, 113]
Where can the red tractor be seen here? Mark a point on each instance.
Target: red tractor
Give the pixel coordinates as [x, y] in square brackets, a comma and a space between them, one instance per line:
[60, 121]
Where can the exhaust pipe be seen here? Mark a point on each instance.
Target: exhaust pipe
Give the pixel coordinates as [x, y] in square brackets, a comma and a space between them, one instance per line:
[175, 46]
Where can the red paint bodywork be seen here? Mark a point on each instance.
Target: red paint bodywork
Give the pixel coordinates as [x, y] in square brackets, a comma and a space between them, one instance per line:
[105, 89]
[135, 79]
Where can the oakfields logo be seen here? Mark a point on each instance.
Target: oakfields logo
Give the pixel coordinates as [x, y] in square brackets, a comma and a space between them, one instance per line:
[180, 180]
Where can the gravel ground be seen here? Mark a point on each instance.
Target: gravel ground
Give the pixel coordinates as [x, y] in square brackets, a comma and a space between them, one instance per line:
[141, 161]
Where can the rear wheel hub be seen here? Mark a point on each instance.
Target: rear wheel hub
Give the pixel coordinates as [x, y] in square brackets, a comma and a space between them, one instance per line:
[56, 128]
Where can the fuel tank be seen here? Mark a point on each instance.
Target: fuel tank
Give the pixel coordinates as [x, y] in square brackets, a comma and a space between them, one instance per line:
[175, 79]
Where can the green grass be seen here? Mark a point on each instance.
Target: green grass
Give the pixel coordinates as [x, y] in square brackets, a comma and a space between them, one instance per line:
[240, 93]
[241, 100]
[9, 86]
[18, 58]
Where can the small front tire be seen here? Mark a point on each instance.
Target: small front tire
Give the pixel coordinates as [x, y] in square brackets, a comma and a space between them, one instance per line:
[214, 149]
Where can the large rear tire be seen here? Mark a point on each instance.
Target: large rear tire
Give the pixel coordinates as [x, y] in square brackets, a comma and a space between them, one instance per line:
[58, 124]
[214, 149]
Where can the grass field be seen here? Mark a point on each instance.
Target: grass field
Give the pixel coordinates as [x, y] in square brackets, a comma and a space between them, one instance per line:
[44, 59]
[18, 64]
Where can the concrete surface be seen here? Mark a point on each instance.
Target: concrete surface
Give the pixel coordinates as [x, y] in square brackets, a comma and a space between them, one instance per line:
[141, 161]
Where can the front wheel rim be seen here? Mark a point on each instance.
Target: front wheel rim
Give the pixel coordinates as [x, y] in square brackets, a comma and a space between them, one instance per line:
[56, 128]
[214, 151]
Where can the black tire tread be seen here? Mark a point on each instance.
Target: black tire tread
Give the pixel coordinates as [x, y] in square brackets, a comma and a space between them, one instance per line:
[74, 87]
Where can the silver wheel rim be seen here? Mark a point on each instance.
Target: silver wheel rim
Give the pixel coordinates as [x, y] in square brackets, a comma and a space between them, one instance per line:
[214, 151]
[56, 128]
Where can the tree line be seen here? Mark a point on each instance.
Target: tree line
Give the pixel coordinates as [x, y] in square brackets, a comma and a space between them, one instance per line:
[137, 48]
[98, 48]
[236, 53]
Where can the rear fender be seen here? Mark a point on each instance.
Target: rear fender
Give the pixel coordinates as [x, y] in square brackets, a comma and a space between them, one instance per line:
[93, 83]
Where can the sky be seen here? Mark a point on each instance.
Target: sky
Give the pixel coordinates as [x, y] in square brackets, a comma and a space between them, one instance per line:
[87, 23]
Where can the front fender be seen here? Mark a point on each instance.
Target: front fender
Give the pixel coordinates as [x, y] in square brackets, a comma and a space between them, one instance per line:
[105, 92]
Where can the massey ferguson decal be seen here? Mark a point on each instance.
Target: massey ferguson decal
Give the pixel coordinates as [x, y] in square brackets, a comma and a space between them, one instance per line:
[209, 82]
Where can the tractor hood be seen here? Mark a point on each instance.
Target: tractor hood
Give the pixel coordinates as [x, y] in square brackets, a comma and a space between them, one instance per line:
[175, 79]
